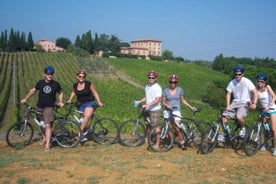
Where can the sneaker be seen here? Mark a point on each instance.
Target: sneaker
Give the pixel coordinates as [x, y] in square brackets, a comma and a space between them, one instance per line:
[83, 139]
[242, 132]
[274, 152]
[263, 148]
[155, 147]
[221, 137]
[85, 131]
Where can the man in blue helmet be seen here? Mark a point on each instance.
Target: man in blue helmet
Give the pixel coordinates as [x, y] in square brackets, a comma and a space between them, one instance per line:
[244, 96]
[48, 88]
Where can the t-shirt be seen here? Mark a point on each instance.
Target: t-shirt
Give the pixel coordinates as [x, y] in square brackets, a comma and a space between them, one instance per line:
[85, 95]
[47, 93]
[241, 90]
[152, 91]
[174, 100]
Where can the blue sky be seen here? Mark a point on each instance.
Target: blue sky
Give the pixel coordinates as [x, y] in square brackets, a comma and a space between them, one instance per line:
[192, 29]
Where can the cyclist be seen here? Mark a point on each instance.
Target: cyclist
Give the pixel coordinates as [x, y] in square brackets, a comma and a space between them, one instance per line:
[267, 98]
[88, 99]
[171, 97]
[244, 96]
[153, 93]
[48, 88]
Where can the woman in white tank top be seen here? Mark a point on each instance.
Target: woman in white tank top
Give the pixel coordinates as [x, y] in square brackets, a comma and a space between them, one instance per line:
[267, 99]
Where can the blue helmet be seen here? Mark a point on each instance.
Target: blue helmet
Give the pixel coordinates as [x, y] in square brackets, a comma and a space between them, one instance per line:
[49, 70]
[261, 76]
[238, 69]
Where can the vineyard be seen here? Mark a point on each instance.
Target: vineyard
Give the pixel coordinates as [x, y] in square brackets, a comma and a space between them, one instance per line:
[20, 71]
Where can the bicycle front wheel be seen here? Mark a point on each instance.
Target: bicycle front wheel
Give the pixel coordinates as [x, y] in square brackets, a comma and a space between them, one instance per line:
[252, 140]
[67, 133]
[105, 131]
[19, 135]
[209, 140]
[132, 133]
[160, 139]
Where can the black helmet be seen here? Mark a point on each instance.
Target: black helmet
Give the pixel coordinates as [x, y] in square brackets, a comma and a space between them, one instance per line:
[238, 69]
[49, 70]
[261, 76]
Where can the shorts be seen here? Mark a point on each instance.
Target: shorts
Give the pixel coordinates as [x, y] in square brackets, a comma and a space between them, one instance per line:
[47, 114]
[236, 109]
[91, 104]
[154, 117]
[177, 113]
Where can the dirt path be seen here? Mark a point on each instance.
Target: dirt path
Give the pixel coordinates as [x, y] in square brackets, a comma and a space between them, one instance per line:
[93, 163]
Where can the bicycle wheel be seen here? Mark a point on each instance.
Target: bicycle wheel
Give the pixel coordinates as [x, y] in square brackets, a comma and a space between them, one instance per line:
[196, 133]
[105, 131]
[235, 140]
[252, 140]
[208, 140]
[132, 133]
[165, 137]
[67, 133]
[19, 135]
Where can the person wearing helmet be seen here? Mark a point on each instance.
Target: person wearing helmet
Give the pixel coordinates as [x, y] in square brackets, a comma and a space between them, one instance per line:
[152, 99]
[244, 96]
[48, 89]
[171, 99]
[87, 98]
[267, 98]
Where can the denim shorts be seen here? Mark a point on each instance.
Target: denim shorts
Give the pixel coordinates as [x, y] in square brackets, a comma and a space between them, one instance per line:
[91, 104]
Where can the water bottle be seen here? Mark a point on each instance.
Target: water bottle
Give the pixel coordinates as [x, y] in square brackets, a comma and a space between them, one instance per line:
[136, 103]
[227, 128]
[42, 124]
[266, 125]
[80, 120]
[183, 126]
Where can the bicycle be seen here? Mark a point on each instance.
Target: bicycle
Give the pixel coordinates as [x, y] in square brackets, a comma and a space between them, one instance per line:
[212, 137]
[66, 133]
[258, 135]
[189, 128]
[103, 131]
[132, 132]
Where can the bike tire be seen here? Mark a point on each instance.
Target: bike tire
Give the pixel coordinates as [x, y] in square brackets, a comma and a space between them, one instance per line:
[166, 138]
[67, 133]
[252, 141]
[208, 140]
[105, 131]
[235, 140]
[196, 133]
[19, 135]
[132, 133]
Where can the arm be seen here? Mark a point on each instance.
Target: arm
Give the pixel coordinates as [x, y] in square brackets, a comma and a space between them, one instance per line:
[29, 95]
[273, 96]
[154, 102]
[228, 99]
[164, 102]
[254, 100]
[60, 99]
[96, 95]
[73, 94]
[184, 101]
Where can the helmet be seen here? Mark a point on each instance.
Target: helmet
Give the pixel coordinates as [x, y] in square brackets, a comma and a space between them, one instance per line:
[173, 78]
[152, 74]
[49, 70]
[261, 76]
[238, 69]
[81, 72]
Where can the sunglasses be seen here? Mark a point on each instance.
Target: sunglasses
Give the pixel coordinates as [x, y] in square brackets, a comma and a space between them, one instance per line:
[81, 76]
[173, 82]
[260, 81]
[151, 77]
[48, 74]
[238, 74]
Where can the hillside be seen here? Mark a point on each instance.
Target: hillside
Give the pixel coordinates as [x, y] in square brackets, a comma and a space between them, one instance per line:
[119, 84]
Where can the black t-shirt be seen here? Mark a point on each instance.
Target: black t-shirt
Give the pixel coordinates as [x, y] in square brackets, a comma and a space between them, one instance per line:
[85, 95]
[47, 93]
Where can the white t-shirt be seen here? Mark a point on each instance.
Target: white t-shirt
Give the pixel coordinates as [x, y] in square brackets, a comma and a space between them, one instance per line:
[152, 91]
[241, 90]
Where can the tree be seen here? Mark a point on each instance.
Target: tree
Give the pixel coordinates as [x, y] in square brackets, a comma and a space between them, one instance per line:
[63, 42]
[30, 42]
[114, 44]
[167, 55]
